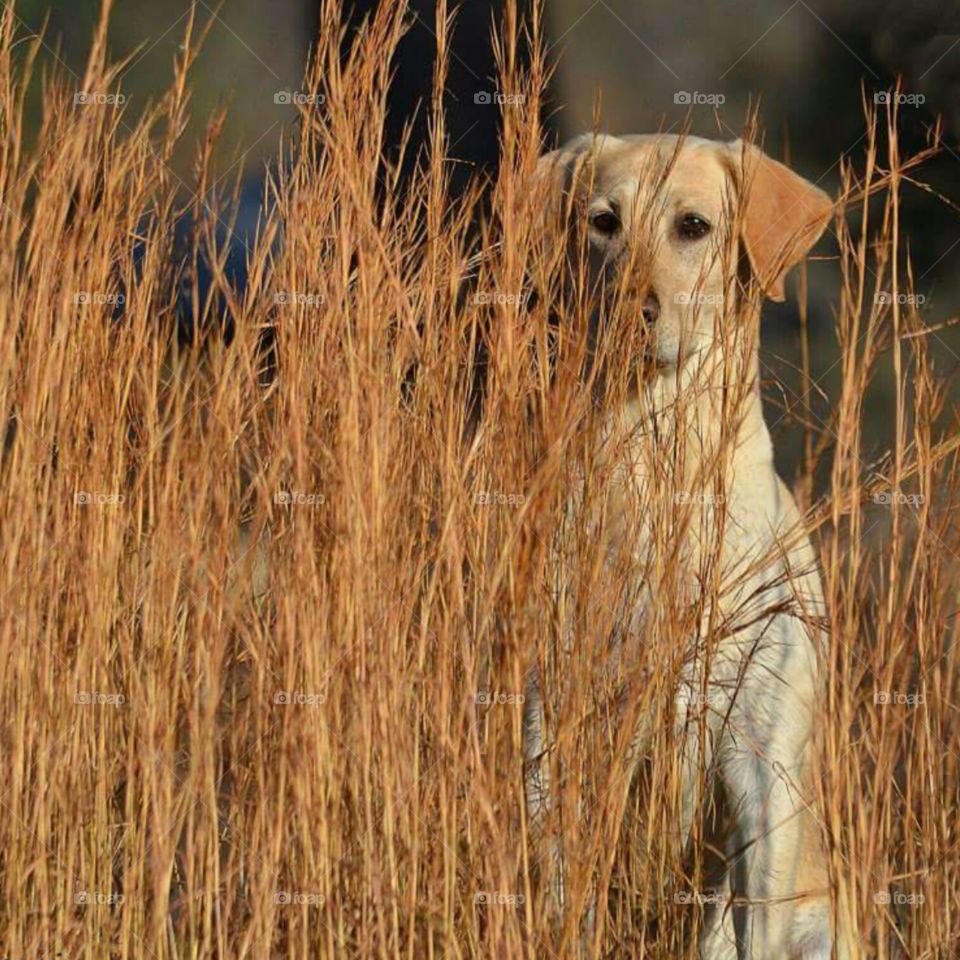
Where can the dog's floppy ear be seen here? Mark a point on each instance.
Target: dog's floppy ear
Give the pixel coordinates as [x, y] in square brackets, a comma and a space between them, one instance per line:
[550, 173]
[781, 217]
[557, 170]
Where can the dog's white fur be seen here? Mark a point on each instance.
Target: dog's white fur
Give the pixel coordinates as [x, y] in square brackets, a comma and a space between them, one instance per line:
[763, 681]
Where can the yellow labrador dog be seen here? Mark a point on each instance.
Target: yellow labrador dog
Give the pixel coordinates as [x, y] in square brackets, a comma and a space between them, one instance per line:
[685, 228]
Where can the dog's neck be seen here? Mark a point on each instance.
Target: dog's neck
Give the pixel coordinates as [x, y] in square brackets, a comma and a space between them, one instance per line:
[706, 410]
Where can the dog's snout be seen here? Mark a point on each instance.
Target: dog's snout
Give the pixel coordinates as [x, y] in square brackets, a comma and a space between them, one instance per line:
[651, 308]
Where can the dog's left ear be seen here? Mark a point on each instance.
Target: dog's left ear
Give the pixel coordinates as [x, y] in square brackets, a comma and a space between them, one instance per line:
[781, 215]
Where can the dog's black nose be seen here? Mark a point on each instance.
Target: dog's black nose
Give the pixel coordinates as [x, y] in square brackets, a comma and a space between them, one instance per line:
[651, 309]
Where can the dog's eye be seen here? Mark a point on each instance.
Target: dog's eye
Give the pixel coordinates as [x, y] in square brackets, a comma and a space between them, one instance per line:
[692, 227]
[605, 222]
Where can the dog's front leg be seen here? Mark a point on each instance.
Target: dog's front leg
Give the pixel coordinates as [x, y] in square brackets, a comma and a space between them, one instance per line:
[767, 849]
[536, 772]
[539, 803]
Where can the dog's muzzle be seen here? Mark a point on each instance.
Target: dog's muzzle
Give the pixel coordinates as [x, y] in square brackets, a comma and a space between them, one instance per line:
[651, 309]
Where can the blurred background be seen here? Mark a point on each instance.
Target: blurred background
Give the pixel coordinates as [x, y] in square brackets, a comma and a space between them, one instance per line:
[645, 66]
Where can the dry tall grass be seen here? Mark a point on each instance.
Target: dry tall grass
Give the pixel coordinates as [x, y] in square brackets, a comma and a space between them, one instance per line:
[265, 632]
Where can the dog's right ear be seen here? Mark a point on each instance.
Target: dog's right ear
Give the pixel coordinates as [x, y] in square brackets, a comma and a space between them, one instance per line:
[553, 177]
[551, 173]
[548, 187]
[558, 170]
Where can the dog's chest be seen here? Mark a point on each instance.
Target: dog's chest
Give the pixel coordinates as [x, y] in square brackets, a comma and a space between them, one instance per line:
[666, 524]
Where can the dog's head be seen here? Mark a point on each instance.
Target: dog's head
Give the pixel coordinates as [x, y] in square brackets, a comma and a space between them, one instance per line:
[670, 223]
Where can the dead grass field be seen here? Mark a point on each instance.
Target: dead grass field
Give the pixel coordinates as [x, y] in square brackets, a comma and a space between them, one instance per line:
[265, 633]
